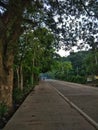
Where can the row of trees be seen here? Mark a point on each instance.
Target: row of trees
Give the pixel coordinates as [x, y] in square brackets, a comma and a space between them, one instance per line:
[21, 40]
[34, 55]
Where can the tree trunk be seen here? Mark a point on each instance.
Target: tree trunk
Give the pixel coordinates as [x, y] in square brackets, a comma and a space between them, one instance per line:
[10, 32]
[7, 52]
[18, 77]
[21, 78]
[6, 79]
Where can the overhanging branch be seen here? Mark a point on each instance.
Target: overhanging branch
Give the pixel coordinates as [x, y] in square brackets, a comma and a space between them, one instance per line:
[85, 8]
[3, 5]
[30, 21]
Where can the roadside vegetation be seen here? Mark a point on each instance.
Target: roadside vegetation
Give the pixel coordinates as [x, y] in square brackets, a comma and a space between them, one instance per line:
[79, 67]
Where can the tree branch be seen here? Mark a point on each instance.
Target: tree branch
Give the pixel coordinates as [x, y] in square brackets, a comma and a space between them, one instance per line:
[87, 10]
[30, 21]
[3, 5]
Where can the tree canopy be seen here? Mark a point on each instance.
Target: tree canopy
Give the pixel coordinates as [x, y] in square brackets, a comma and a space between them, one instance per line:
[70, 21]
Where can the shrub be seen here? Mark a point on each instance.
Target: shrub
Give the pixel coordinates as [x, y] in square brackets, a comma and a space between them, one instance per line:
[3, 109]
[17, 95]
[76, 79]
[27, 89]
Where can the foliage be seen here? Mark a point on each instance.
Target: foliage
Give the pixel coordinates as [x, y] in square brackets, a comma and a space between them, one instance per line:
[77, 60]
[18, 95]
[73, 20]
[27, 89]
[71, 68]
[91, 63]
[60, 69]
[3, 109]
[84, 64]
[35, 53]
[76, 79]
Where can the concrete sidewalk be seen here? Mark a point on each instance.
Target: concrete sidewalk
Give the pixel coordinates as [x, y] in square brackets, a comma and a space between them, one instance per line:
[44, 109]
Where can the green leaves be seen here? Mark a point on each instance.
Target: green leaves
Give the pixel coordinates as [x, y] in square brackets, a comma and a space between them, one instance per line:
[35, 52]
[60, 69]
[3, 109]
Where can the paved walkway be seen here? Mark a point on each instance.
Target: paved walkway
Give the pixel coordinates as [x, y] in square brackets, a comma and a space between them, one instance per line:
[44, 109]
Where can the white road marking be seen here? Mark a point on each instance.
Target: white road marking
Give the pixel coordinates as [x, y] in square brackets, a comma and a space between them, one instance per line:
[88, 118]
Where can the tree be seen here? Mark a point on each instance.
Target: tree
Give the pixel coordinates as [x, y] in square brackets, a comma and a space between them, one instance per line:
[11, 20]
[34, 55]
[90, 64]
[60, 69]
[77, 60]
[78, 72]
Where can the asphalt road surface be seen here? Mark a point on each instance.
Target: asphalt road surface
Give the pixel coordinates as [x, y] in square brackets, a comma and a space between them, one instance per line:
[85, 97]
[45, 108]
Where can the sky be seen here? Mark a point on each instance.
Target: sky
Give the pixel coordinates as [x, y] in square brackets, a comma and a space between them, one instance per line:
[65, 53]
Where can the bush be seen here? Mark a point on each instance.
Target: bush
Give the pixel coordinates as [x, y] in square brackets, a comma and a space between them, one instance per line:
[80, 79]
[3, 109]
[27, 89]
[18, 95]
[77, 79]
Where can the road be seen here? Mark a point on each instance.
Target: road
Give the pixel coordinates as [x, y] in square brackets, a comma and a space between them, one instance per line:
[85, 97]
[45, 109]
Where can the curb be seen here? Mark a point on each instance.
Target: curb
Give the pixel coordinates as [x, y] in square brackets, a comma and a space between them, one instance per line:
[88, 118]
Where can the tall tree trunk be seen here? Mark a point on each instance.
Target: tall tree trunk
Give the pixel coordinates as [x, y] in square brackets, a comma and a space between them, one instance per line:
[7, 52]
[33, 64]
[10, 32]
[18, 77]
[6, 78]
[21, 77]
